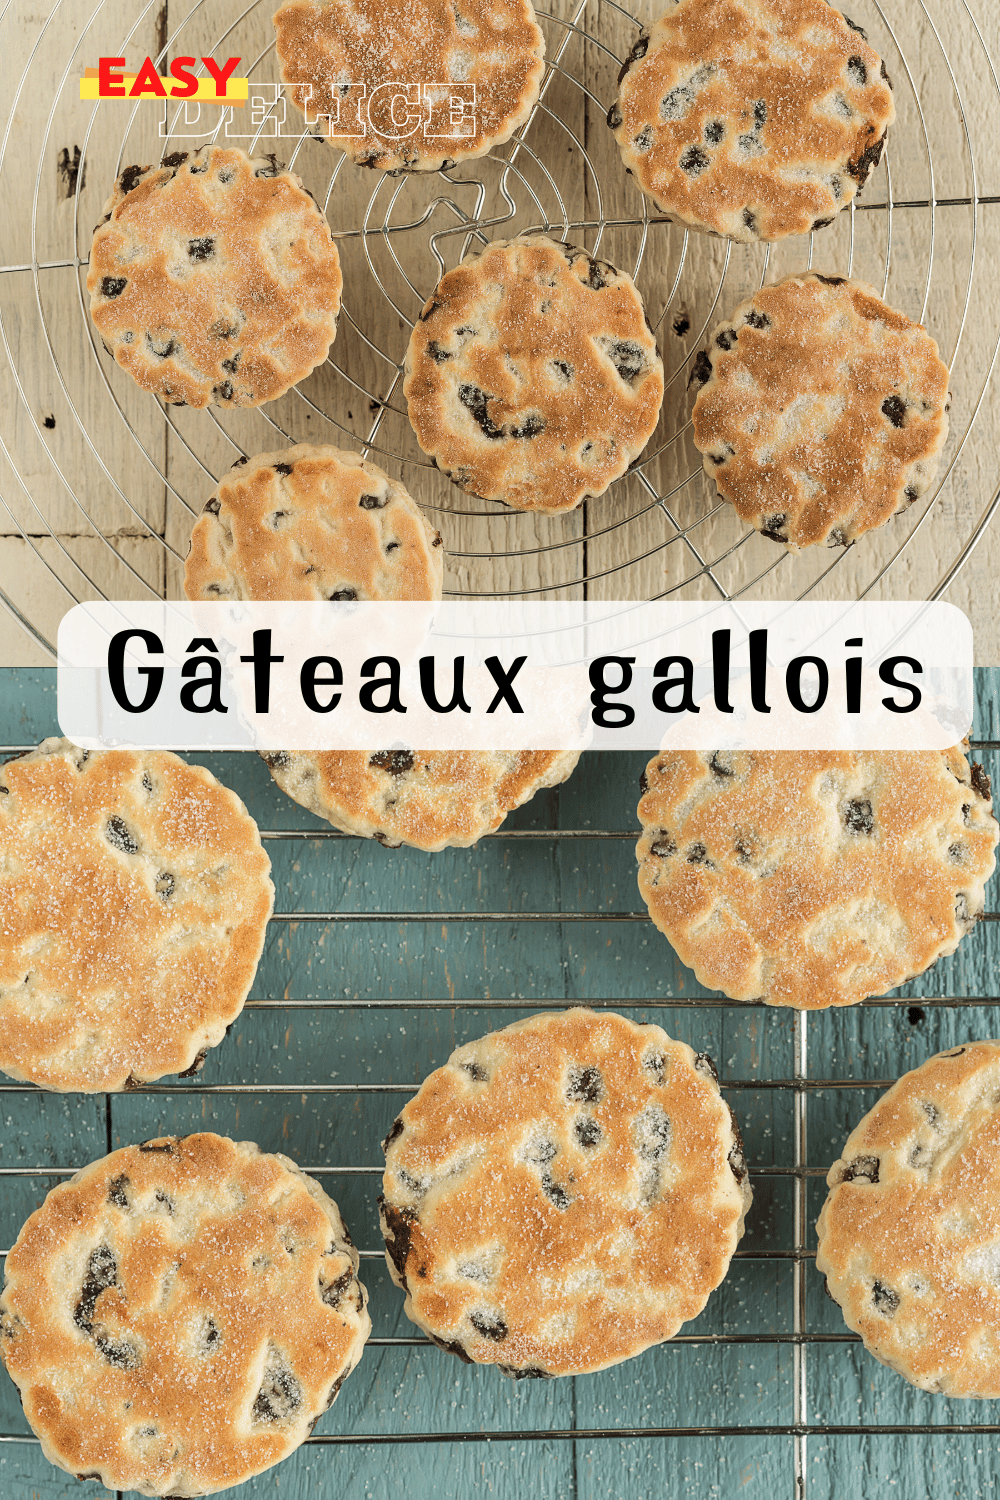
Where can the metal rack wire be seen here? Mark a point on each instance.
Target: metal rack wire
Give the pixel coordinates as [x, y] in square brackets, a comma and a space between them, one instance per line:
[661, 531]
[801, 1087]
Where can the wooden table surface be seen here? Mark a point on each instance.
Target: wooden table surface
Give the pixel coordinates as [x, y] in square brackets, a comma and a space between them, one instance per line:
[99, 485]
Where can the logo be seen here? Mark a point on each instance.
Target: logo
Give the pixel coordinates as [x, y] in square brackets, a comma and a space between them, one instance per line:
[392, 110]
[396, 110]
[109, 81]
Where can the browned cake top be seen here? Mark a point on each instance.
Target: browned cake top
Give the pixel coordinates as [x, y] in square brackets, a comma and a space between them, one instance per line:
[312, 523]
[909, 1238]
[753, 119]
[214, 278]
[493, 45]
[823, 410]
[563, 1193]
[814, 878]
[179, 1314]
[430, 799]
[532, 376]
[134, 898]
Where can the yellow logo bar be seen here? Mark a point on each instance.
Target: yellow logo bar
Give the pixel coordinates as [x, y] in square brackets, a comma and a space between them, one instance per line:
[237, 89]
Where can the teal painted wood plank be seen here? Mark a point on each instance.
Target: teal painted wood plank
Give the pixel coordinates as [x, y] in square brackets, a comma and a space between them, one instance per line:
[40, 1130]
[397, 1390]
[850, 1379]
[449, 1471]
[953, 1468]
[685, 1469]
[25, 1475]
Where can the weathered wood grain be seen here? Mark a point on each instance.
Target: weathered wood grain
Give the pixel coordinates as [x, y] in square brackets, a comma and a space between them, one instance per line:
[140, 473]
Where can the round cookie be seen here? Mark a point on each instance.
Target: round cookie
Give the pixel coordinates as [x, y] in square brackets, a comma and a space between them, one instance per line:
[214, 278]
[822, 411]
[752, 119]
[134, 900]
[179, 1315]
[429, 799]
[563, 1194]
[312, 523]
[491, 49]
[532, 376]
[272, 538]
[814, 878]
[909, 1233]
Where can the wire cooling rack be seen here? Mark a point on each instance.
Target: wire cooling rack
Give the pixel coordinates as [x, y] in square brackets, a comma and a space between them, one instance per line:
[105, 482]
[812, 1326]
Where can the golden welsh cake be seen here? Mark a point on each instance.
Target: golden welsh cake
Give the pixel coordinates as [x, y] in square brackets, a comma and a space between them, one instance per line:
[752, 119]
[178, 1315]
[814, 878]
[214, 278]
[909, 1236]
[532, 375]
[822, 411]
[563, 1194]
[411, 85]
[134, 900]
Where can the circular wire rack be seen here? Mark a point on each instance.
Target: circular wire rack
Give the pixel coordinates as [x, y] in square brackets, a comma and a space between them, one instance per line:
[104, 481]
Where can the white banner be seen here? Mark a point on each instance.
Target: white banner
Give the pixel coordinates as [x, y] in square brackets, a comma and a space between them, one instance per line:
[515, 675]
